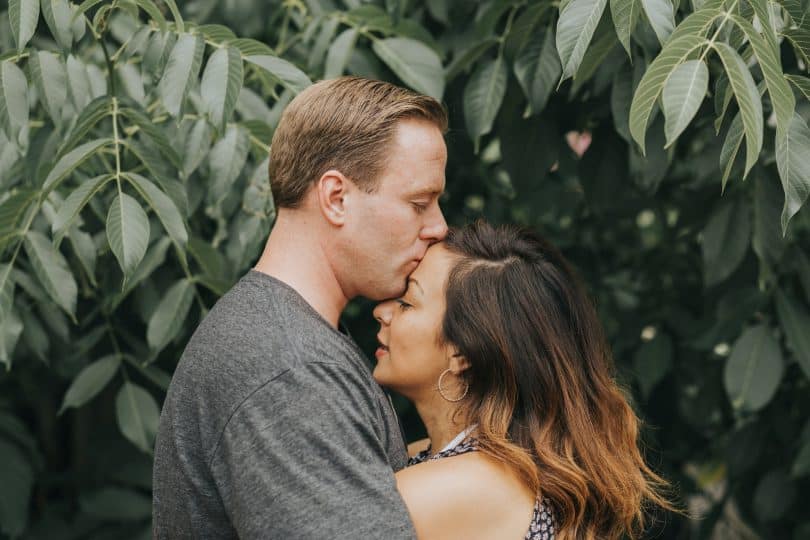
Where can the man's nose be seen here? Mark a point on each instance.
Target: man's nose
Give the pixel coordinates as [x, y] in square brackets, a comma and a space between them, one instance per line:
[383, 312]
[436, 227]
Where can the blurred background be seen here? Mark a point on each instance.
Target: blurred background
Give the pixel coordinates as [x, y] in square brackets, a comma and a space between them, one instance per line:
[134, 192]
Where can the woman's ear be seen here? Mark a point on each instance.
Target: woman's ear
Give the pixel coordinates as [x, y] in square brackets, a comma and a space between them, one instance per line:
[458, 363]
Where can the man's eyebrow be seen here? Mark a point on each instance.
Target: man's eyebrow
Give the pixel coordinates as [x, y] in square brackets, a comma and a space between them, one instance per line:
[430, 192]
[417, 284]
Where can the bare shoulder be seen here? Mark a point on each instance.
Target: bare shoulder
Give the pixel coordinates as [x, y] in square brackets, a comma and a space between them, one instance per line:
[472, 496]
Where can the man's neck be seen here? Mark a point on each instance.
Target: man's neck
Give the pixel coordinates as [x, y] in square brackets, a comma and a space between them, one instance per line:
[294, 255]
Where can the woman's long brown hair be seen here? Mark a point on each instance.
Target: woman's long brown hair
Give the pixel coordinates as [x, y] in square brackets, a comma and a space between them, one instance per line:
[542, 388]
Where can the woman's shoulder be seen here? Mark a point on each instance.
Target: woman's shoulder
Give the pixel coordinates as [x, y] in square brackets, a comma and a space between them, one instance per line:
[468, 495]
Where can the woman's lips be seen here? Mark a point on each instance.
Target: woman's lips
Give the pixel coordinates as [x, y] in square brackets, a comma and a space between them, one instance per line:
[381, 351]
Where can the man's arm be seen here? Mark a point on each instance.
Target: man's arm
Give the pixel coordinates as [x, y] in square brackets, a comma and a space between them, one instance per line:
[300, 458]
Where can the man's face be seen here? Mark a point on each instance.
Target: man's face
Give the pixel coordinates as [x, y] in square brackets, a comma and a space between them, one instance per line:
[392, 228]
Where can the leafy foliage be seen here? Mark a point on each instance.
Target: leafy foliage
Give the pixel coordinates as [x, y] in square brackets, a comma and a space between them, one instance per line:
[133, 193]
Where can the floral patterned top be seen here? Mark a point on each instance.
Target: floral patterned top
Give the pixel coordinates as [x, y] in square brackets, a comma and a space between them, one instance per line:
[542, 525]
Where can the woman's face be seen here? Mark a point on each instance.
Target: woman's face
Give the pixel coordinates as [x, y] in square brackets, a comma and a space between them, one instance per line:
[410, 358]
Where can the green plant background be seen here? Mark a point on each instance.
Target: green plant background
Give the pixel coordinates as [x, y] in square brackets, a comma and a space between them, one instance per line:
[133, 192]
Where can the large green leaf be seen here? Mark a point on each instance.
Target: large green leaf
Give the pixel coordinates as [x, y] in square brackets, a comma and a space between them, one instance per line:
[725, 241]
[575, 28]
[339, 52]
[12, 212]
[78, 83]
[127, 232]
[652, 83]
[58, 16]
[23, 16]
[6, 290]
[138, 415]
[68, 163]
[538, 69]
[13, 99]
[661, 15]
[754, 369]
[652, 361]
[154, 13]
[625, 16]
[226, 161]
[74, 203]
[731, 147]
[171, 312]
[281, 70]
[90, 381]
[89, 118]
[414, 62]
[197, 145]
[153, 132]
[466, 57]
[792, 151]
[794, 319]
[164, 208]
[155, 256]
[221, 82]
[52, 270]
[50, 77]
[683, 93]
[768, 58]
[483, 96]
[802, 83]
[181, 72]
[800, 38]
[329, 26]
[747, 95]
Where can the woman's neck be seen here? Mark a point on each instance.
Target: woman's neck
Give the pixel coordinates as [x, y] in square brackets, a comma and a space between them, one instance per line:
[443, 421]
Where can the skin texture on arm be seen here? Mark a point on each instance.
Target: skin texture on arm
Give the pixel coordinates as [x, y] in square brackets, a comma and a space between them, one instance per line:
[469, 496]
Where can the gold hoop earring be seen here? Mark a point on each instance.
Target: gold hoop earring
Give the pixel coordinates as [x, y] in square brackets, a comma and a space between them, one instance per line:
[441, 390]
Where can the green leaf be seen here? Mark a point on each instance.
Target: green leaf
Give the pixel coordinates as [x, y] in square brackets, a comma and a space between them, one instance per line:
[329, 26]
[154, 13]
[50, 77]
[801, 465]
[90, 381]
[762, 12]
[164, 208]
[13, 99]
[154, 257]
[181, 72]
[578, 21]
[85, 249]
[699, 22]
[251, 47]
[652, 83]
[467, 57]
[18, 483]
[127, 232]
[414, 62]
[59, 17]
[802, 83]
[10, 329]
[78, 83]
[158, 49]
[483, 96]
[52, 270]
[6, 290]
[68, 163]
[282, 71]
[661, 15]
[196, 147]
[221, 83]
[652, 361]
[70, 208]
[178, 19]
[339, 53]
[768, 58]
[538, 69]
[138, 415]
[795, 322]
[767, 240]
[226, 160]
[683, 93]
[12, 213]
[745, 91]
[148, 128]
[800, 38]
[23, 16]
[92, 114]
[171, 312]
[792, 150]
[725, 241]
[625, 16]
[754, 369]
[795, 9]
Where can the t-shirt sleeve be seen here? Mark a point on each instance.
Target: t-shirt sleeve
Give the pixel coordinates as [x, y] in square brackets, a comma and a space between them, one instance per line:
[300, 458]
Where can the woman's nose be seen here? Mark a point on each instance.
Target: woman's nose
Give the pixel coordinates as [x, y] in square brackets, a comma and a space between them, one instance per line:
[383, 312]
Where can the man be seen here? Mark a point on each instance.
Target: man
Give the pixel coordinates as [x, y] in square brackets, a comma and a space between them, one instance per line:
[273, 426]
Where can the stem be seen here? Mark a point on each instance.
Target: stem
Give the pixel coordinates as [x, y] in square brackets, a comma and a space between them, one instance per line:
[726, 16]
[110, 67]
[116, 142]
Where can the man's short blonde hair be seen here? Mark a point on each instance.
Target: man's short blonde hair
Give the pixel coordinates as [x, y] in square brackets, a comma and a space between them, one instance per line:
[346, 124]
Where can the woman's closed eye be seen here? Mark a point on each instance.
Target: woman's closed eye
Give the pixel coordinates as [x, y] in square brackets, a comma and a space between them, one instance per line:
[403, 305]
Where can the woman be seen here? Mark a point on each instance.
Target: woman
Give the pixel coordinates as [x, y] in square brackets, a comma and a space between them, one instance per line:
[502, 353]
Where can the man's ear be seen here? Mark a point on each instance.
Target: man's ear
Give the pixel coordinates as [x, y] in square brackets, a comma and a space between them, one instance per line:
[458, 363]
[332, 188]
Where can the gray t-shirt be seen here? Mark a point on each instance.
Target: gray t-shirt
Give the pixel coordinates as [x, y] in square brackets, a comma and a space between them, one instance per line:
[274, 428]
